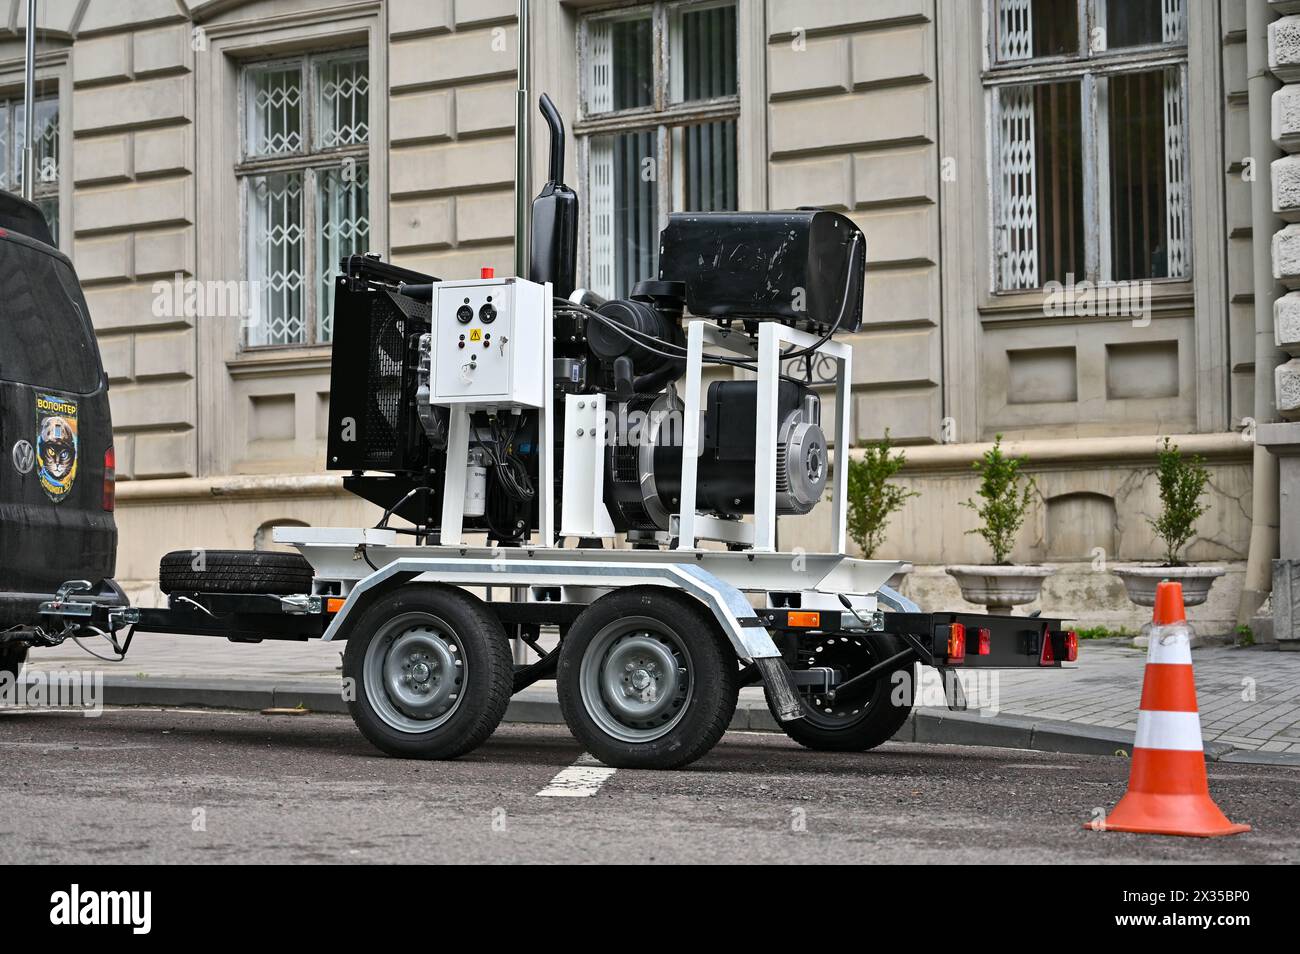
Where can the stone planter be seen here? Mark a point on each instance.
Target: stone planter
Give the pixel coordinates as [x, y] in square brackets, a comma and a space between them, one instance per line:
[998, 588]
[895, 582]
[1140, 581]
[1140, 584]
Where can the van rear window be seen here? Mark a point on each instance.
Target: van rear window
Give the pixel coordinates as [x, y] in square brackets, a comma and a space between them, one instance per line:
[45, 336]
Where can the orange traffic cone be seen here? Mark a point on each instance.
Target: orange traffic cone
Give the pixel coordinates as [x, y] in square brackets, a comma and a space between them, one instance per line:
[1168, 793]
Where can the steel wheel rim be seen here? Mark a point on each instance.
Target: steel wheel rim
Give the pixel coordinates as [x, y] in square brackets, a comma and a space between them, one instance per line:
[636, 679]
[844, 715]
[414, 672]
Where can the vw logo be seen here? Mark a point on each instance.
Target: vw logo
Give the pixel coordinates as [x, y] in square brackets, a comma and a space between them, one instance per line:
[24, 456]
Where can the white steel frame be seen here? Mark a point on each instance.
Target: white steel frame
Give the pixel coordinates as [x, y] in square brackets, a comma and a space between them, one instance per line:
[692, 526]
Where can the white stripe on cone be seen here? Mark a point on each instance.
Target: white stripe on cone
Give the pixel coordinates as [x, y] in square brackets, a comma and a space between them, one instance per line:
[1170, 644]
[1177, 731]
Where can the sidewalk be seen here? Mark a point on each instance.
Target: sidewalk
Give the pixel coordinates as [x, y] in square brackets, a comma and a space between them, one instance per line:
[1249, 698]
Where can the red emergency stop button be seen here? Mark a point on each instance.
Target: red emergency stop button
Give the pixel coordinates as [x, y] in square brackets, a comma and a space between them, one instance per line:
[487, 271]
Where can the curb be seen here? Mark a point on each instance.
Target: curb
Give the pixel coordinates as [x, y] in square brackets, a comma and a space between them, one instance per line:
[538, 706]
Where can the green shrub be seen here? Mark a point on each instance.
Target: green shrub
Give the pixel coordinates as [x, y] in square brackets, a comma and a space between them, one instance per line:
[1006, 495]
[1101, 632]
[872, 498]
[1182, 482]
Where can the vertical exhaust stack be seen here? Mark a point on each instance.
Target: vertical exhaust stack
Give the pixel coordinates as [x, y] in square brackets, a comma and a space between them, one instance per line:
[554, 243]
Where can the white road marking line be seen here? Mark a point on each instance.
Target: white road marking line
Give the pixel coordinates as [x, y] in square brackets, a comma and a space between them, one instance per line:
[580, 780]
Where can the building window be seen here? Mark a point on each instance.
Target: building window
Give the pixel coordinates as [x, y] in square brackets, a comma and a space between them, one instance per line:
[45, 190]
[1088, 112]
[660, 103]
[305, 180]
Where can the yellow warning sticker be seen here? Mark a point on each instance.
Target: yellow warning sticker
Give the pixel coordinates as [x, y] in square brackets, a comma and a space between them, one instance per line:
[476, 334]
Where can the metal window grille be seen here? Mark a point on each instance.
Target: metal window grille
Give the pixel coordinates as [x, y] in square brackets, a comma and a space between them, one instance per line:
[1088, 114]
[306, 185]
[45, 190]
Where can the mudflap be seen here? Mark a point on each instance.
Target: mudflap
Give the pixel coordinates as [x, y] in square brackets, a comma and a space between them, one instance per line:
[781, 688]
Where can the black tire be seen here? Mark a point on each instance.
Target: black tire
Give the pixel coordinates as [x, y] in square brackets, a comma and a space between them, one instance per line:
[12, 657]
[480, 645]
[234, 571]
[871, 720]
[683, 626]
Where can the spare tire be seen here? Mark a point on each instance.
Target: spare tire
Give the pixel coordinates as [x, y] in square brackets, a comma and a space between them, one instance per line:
[234, 571]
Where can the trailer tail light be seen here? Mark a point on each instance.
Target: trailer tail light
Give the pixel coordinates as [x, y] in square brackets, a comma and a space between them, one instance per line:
[985, 644]
[1071, 646]
[956, 643]
[1047, 655]
[803, 619]
[110, 480]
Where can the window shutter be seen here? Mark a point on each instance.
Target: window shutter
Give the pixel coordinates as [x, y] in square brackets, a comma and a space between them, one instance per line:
[1175, 126]
[1018, 218]
[600, 66]
[1171, 21]
[342, 229]
[600, 200]
[1015, 30]
[1175, 175]
[275, 259]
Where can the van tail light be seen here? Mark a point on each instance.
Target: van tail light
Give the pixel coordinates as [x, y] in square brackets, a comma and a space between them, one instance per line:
[110, 480]
[985, 644]
[956, 643]
[1071, 646]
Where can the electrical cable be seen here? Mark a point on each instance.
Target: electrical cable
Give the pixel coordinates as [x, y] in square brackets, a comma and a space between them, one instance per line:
[632, 334]
[844, 307]
[111, 642]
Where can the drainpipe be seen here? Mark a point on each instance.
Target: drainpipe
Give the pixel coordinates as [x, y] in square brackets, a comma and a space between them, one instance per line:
[29, 104]
[1264, 224]
[521, 146]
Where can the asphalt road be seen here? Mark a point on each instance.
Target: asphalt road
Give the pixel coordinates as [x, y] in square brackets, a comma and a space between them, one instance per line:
[143, 785]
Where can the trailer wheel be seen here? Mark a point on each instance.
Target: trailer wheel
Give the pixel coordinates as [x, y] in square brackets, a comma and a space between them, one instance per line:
[431, 672]
[647, 679]
[865, 722]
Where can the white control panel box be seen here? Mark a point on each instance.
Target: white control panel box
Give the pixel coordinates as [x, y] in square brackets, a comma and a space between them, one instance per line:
[489, 343]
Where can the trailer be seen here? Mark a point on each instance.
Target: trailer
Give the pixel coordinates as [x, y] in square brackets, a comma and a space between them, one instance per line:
[568, 479]
[653, 645]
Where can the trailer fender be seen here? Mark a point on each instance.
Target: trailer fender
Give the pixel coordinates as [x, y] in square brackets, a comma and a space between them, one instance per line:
[744, 630]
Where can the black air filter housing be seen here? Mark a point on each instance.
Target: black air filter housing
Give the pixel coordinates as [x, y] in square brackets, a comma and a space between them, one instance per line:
[769, 266]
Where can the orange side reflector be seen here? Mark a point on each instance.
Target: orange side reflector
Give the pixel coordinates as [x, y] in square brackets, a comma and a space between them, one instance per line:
[804, 619]
[334, 604]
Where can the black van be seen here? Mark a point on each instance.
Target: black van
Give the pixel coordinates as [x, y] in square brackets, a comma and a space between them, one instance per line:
[56, 434]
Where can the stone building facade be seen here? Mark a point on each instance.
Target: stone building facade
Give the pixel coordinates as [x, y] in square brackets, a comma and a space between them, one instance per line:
[1005, 159]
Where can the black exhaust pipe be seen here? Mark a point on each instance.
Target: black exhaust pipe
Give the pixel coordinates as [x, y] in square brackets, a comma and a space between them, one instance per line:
[554, 246]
